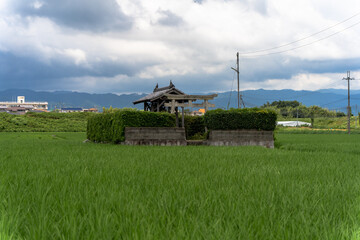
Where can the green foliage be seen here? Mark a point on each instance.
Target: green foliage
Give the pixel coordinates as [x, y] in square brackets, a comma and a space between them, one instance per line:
[19, 121]
[109, 126]
[340, 114]
[194, 127]
[58, 115]
[44, 122]
[248, 118]
[282, 104]
[294, 109]
[53, 186]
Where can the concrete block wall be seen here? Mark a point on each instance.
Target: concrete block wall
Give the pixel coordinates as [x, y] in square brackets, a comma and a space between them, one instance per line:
[241, 138]
[162, 136]
[176, 137]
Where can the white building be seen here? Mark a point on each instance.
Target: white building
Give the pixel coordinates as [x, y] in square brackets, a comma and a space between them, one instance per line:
[27, 105]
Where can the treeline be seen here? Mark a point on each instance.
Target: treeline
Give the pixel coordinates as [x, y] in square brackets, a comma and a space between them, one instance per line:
[293, 109]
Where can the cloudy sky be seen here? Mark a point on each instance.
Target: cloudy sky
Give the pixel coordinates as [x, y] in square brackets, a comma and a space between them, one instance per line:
[123, 46]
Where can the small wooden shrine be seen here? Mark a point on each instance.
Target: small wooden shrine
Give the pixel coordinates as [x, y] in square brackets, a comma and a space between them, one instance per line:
[155, 101]
[169, 99]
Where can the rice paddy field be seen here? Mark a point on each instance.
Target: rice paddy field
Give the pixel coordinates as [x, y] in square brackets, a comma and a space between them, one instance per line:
[54, 186]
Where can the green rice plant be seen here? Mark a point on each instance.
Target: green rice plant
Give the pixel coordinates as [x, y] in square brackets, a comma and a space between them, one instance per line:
[54, 186]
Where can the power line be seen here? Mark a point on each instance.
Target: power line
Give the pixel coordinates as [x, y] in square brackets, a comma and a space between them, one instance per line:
[301, 46]
[337, 109]
[292, 97]
[250, 104]
[301, 39]
[336, 101]
[320, 105]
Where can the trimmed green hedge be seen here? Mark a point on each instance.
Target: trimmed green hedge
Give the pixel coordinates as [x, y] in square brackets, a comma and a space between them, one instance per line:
[109, 127]
[248, 118]
[194, 126]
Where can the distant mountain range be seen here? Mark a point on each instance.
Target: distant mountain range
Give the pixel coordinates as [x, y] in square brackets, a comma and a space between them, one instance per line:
[61, 99]
[333, 99]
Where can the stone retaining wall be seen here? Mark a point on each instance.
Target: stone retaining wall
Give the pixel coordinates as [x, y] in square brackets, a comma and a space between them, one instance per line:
[241, 138]
[162, 136]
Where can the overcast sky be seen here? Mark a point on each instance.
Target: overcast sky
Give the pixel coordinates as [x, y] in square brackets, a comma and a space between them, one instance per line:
[123, 46]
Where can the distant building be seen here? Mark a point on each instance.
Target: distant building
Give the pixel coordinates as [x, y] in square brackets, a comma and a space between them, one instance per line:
[3, 109]
[77, 109]
[17, 110]
[20, 106]
[21, 99]
[91, 110]
[200, 112]
[69, 110]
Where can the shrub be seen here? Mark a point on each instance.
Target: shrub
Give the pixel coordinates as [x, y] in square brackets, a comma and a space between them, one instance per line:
[248, 118]
[110, 126]
[56, 115]
[44, 122]
[340, 114]
[194, 127]
[18, 120]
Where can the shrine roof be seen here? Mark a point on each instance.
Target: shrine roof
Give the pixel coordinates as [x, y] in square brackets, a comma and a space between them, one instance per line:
[159, 93]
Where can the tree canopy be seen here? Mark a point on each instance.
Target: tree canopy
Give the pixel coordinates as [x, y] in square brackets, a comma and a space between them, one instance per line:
[293, 109]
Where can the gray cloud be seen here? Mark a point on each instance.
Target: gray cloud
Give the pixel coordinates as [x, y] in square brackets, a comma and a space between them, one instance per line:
[258, 5]
[25, 72]
[93, 15]
[260, 69]
[169, 19]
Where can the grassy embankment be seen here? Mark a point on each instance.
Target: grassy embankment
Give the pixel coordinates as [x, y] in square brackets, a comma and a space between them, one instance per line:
[53, 186]
[44, 122]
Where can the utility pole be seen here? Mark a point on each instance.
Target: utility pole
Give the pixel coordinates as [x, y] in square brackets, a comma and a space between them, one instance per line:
[238, 78]
[348, 78]
[237, 70]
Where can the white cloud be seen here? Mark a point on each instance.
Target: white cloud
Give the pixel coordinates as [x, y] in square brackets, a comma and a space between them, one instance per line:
[78, 55]
[3, 6]
[306, 82]
[38, 4]
[164, 70]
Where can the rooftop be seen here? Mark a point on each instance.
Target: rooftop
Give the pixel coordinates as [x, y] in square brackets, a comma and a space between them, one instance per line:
[159, 92]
